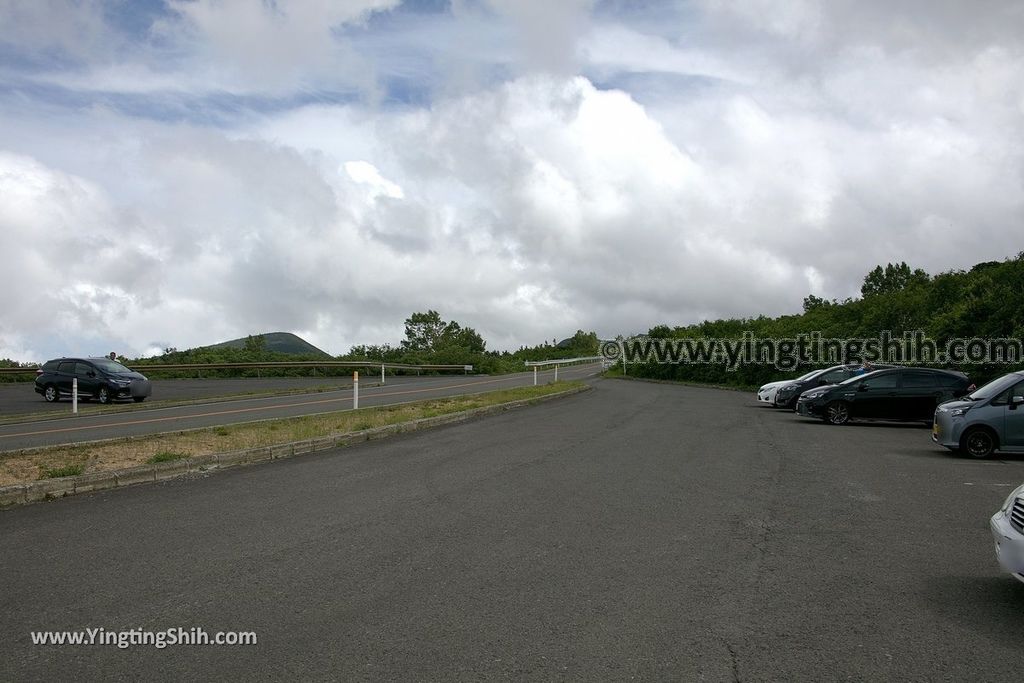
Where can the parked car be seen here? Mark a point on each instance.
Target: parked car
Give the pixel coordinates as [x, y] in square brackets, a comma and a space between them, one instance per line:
[767, 392]
[1007, 527]
[987, 420]
[788, 394]
[100, 378]
[904, 394]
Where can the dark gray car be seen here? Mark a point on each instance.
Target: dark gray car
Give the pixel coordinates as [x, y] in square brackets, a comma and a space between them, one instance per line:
[985, 421]
[100, 378]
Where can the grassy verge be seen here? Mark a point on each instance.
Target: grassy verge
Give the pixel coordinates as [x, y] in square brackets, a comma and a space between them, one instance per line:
[20, 467]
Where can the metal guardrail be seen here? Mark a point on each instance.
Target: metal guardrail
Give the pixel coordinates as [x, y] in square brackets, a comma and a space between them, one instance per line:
[18, 371]
[557, 363]
[270, 365]
[562, 361]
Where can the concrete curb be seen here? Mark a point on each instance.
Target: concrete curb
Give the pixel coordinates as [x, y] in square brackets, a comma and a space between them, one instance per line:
[48, 489]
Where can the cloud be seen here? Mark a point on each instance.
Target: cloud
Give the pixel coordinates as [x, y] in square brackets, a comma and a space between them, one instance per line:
[526, 169]
[280, 45]
[546, 32]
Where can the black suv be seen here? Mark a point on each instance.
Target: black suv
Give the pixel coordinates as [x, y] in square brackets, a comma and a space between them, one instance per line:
[100, 378]
[788, 394]
[906, 394]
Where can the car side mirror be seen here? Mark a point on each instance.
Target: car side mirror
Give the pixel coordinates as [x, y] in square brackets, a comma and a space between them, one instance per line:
[1016, 401]
[90, 374]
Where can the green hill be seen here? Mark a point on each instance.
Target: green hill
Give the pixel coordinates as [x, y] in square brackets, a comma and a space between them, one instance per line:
[274, 342]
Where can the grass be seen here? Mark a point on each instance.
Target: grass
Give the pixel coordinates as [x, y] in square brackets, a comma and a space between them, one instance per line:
[165, 456]
[65, 471]
[18, 467]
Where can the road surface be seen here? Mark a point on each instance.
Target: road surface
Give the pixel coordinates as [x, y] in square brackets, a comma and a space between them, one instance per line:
[109, 424]
[635, 531]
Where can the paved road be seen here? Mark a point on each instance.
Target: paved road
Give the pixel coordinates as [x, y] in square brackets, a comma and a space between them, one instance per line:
[21, 399]
[635, 531]
[107, 424]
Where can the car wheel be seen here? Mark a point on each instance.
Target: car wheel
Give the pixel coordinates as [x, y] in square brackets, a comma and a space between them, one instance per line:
[837, 413]
[138, 399]
[103, 395]
[978, 443]
[51, 394]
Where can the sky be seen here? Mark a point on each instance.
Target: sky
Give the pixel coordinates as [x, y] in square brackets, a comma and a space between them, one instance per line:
[176, 173]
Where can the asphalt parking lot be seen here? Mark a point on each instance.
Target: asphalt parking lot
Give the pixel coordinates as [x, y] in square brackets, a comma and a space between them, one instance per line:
[638, 530]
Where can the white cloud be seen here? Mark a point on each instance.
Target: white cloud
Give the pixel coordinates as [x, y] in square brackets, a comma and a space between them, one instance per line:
[598, 171]
[279, 45]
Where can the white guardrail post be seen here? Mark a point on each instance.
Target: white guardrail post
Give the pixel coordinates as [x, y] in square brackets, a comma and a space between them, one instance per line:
[382, 374]
[355, 390]
[74, 395]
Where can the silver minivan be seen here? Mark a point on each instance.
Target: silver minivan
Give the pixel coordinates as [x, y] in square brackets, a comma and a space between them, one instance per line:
[988, 420]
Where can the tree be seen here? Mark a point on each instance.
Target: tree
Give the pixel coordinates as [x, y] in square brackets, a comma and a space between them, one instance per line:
[893, 278]
[462, 338]
[812, 302]
[255, 344]
[422, 331]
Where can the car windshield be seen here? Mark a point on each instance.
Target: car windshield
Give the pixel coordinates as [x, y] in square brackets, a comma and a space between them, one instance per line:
[994, 387]
[111, 366]
[856, 378]
[809, 375]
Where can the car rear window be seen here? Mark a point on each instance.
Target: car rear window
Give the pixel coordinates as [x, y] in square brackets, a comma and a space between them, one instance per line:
[67, 366]
[50, 365]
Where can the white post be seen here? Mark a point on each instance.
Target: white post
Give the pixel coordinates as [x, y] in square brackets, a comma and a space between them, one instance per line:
[556, 372]
[74, 395]
[382, 373]
[355, 390]
[534, 375]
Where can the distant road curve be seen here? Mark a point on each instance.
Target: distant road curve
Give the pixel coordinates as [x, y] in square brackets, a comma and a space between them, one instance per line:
[98, 425]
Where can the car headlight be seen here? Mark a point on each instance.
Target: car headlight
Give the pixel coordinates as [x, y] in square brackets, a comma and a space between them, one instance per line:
[1012, 497]
[121, 382]
[814, 395]
[959, 412]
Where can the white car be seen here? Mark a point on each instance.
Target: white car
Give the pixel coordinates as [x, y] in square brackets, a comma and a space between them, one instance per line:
[1008, 531]
[766, 394]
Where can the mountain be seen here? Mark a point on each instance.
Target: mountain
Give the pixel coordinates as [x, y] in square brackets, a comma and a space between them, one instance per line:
[277, 342]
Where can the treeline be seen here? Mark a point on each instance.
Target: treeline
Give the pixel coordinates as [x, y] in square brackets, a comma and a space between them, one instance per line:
[254, 351]
[30, 370]
[986, 302]
[429, 340]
